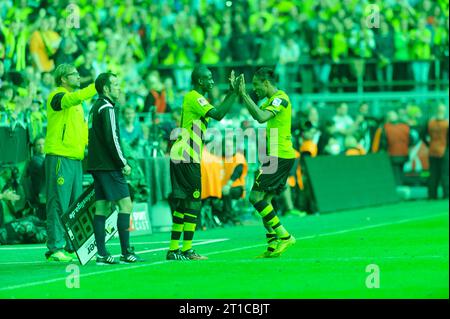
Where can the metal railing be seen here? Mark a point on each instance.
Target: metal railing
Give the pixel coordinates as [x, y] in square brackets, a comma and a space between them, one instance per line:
[305, 80]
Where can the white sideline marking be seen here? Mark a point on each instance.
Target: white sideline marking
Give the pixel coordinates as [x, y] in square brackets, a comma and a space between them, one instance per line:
[209, 241]
[340, 259]
[217, 252]
[199, 242]
[19, 247]
[24, 262]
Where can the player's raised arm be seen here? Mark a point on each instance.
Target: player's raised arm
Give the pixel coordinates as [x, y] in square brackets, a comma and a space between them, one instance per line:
[218, 113]
[261, 116]
[76, 97]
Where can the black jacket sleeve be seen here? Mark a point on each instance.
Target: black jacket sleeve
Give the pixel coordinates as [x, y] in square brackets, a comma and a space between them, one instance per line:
[111, 136]
[56, 102]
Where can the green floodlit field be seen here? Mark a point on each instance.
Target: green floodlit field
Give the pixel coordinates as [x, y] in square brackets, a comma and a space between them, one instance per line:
[408, 242]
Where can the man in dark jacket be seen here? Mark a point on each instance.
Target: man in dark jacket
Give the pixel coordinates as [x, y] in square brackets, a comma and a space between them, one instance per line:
[436, 136]
[108, 166]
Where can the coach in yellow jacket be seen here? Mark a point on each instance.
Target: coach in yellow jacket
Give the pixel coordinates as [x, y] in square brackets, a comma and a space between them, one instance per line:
[67, 137]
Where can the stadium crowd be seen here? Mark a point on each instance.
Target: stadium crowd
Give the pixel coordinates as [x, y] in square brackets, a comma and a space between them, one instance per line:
[154, 45]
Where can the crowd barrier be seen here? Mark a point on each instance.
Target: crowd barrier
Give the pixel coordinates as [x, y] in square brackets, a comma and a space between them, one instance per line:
[14, 146]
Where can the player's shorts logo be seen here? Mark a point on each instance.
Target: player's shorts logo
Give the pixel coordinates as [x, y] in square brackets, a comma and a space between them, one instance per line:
[60, 181]
[196, 194]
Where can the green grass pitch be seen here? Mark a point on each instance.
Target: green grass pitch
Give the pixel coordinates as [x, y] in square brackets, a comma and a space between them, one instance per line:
[407, 243]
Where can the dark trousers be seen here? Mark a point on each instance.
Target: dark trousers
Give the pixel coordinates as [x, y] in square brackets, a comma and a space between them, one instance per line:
[64, 180]
[438, 175]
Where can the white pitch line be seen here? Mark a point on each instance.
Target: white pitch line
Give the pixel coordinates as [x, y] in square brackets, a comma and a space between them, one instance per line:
[218, 252]
[24, 262]
[198, 243]
[340, 259]
[19, 247]
[165, 248]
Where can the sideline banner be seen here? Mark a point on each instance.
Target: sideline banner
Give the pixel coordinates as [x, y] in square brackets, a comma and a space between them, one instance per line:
[344, 182]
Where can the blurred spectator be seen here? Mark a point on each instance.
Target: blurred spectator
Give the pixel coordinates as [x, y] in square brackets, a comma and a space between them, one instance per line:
[68, 51]
[16, 37]
[396, 140]
[156, 97]
[34, 178]
[351, 146]
[402, 55]
[43, 45]
[339, 52]
[87, 71]
[47, 84]
[413, 119]
[384, 40]
[321, 54]
[421, 52]
[270, 47]
[2, 72]
[211, 54]
[440, 49]
[362, 46]
[333, 147]
[436, 136]
[7, 213]
[308, 148]
[261, 18]
[15, 229]
[7, 105]
[224, 37]
[365, 127]
[37, 119]
[343, 123]
[313, 124]
[242, 49]
[184, 57]
[172, 100]
[326, 134]
[9, 193]
[305, 68]
[287, 66]
[131, 132]
[402, 112]
[211, 178]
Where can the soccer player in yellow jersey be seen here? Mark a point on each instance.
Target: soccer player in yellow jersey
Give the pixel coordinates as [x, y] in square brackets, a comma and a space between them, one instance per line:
[185, 155]
[276, 112]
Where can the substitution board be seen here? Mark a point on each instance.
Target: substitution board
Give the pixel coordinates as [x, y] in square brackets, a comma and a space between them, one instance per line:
[78, 222]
